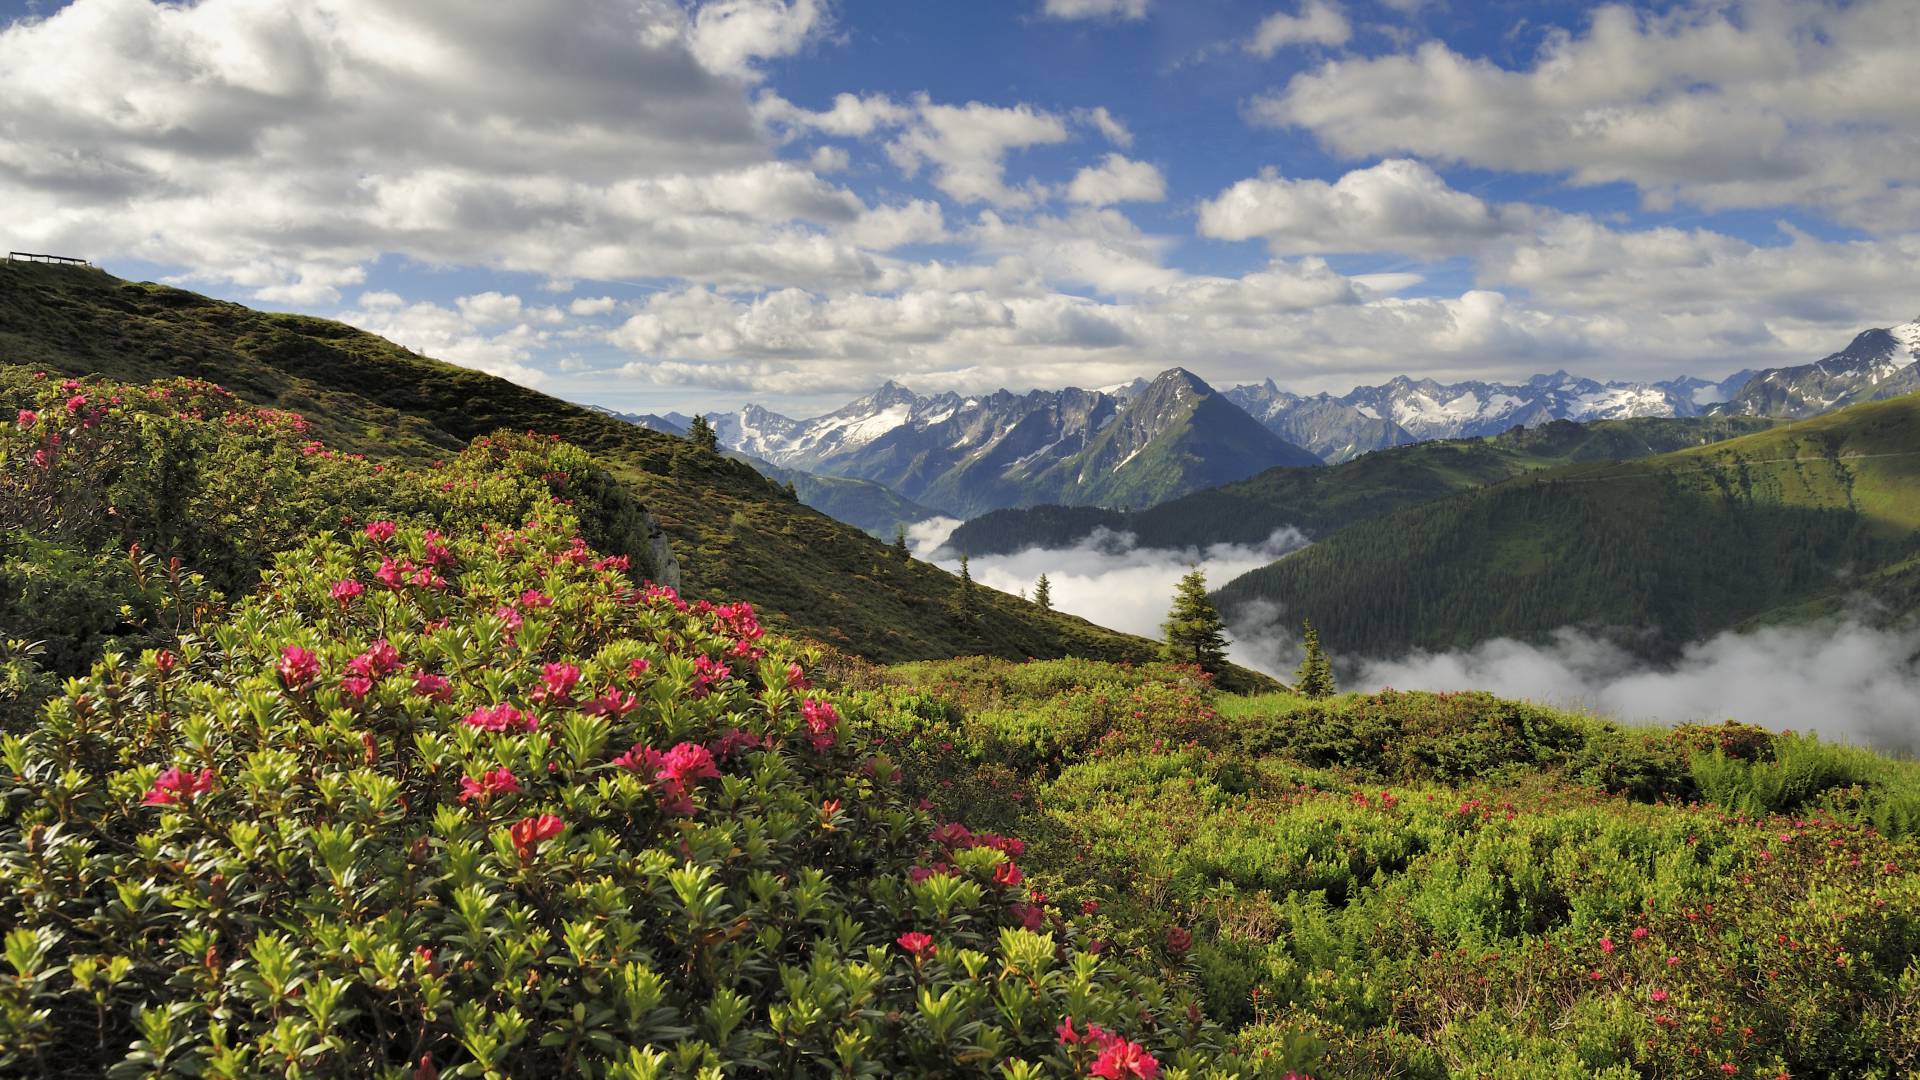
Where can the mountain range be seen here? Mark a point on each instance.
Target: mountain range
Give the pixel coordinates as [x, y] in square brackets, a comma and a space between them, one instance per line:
[893, 456]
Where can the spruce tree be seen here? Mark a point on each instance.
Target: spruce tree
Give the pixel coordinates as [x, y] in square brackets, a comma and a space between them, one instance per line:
[1315, 677]
[793, 493]
[1043, 593]
[966, 590]
[900, 541]
[702, 435]
[1194, 629]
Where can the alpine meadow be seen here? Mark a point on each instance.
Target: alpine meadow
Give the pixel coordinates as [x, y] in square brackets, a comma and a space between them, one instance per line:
[1113, 539]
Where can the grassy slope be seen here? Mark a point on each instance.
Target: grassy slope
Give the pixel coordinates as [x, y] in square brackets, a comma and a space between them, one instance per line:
[735, 533]
[1779, 524]
[1319, 501]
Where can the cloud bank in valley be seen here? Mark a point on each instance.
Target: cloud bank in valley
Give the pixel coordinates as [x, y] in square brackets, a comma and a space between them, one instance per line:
[1844, 678]
[1106, 578]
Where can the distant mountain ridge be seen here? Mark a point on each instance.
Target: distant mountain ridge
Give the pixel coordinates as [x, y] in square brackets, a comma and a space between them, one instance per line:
[972, 454]
[1877, 364]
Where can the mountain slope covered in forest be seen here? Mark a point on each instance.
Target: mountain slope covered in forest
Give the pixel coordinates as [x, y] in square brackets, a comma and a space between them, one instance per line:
[1663, 550]
[1322, 501]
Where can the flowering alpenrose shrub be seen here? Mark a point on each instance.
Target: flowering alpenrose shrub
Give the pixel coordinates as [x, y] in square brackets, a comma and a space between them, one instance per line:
[477, 805]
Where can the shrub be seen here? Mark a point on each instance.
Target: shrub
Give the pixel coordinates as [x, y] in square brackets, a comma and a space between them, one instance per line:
[474, 803]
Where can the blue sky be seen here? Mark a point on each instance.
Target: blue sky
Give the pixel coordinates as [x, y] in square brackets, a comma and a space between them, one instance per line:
[659, 205]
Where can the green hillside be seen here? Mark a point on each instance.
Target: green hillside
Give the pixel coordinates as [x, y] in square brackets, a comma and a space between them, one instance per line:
[1319, 501]
[1779, 524]
[734, 532]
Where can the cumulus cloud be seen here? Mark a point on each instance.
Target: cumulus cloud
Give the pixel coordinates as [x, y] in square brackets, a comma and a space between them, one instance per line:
[1398, 206]
[1116, 180]
[729, 35]
[468, 333]
[1105, 578]
[1319, 22]
[1755, 103]
[1846, 680]
[966, 147]
[585, 306]
[1095, 9]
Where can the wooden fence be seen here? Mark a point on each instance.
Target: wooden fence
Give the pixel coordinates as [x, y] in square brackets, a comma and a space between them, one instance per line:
[28, 256]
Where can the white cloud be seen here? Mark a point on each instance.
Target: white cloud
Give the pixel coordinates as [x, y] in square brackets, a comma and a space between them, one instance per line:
[829, 159]
[457, 336]
[1736, 104]
[1095, 9]
[581, 306]
[729, 35]
[1108, 125]
[1845, 680]
[489, 308]
[1106, 578]
[1319, 22]
[852, 115]
[966, 146]
[1395, 206]
[1117, 179]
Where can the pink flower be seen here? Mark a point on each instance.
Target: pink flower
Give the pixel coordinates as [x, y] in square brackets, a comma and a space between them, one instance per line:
[821, 721]
[796, 679]
[76, 402]
[1120, 1058]
[344, 591]
[27, 418]
[510, 615]
[297, 667]
[357, 686]
[490, 783]
[502, 717]
[557, 683]
[612, 702]
[1088, 907]
[1065, 1031]
[164, 660]
[917, 944]
[380, 660]
[389, 573]
[637, 668]
[706, 672]
[732, 741]
[1179, 940]
[176, 784]
[1031, 916]
[1640, 933]
[953, 834]
[1606, 945]
[674, 772]
[432, 687]
[1007, 874]
[534, 598]
[1658, 996]
[528, 833]
[380, 531]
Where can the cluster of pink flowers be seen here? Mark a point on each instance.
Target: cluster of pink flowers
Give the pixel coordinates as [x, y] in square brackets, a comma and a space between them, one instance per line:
[27, 418]
[917, 945]
[530, 832]
[488, 784]
[822, 723]
[502, 717]
[297, 667]
[739, 622]
[176, 784]
[432, 687]
[557, 681]
[380, 660]
[612, 703]
[344, 591]
[395, 574]
[380, 531]
[675, 772]
[1117, 1057]
[706, 672]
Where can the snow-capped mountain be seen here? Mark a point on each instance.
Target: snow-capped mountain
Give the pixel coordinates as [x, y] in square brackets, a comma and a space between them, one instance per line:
[1876, 364]
[1137, 443]
[1406, 410]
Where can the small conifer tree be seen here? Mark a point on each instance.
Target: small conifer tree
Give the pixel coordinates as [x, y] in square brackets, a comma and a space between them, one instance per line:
[1195, 632]
[900, 541]
[966, 589]
[1043, 593]
[700, 432]
[793, 493]
[1315, 677]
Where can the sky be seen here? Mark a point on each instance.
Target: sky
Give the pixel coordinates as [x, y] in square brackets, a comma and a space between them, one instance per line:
[684, 205]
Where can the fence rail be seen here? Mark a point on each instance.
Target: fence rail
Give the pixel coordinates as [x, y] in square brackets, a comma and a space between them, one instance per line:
[29, 256]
